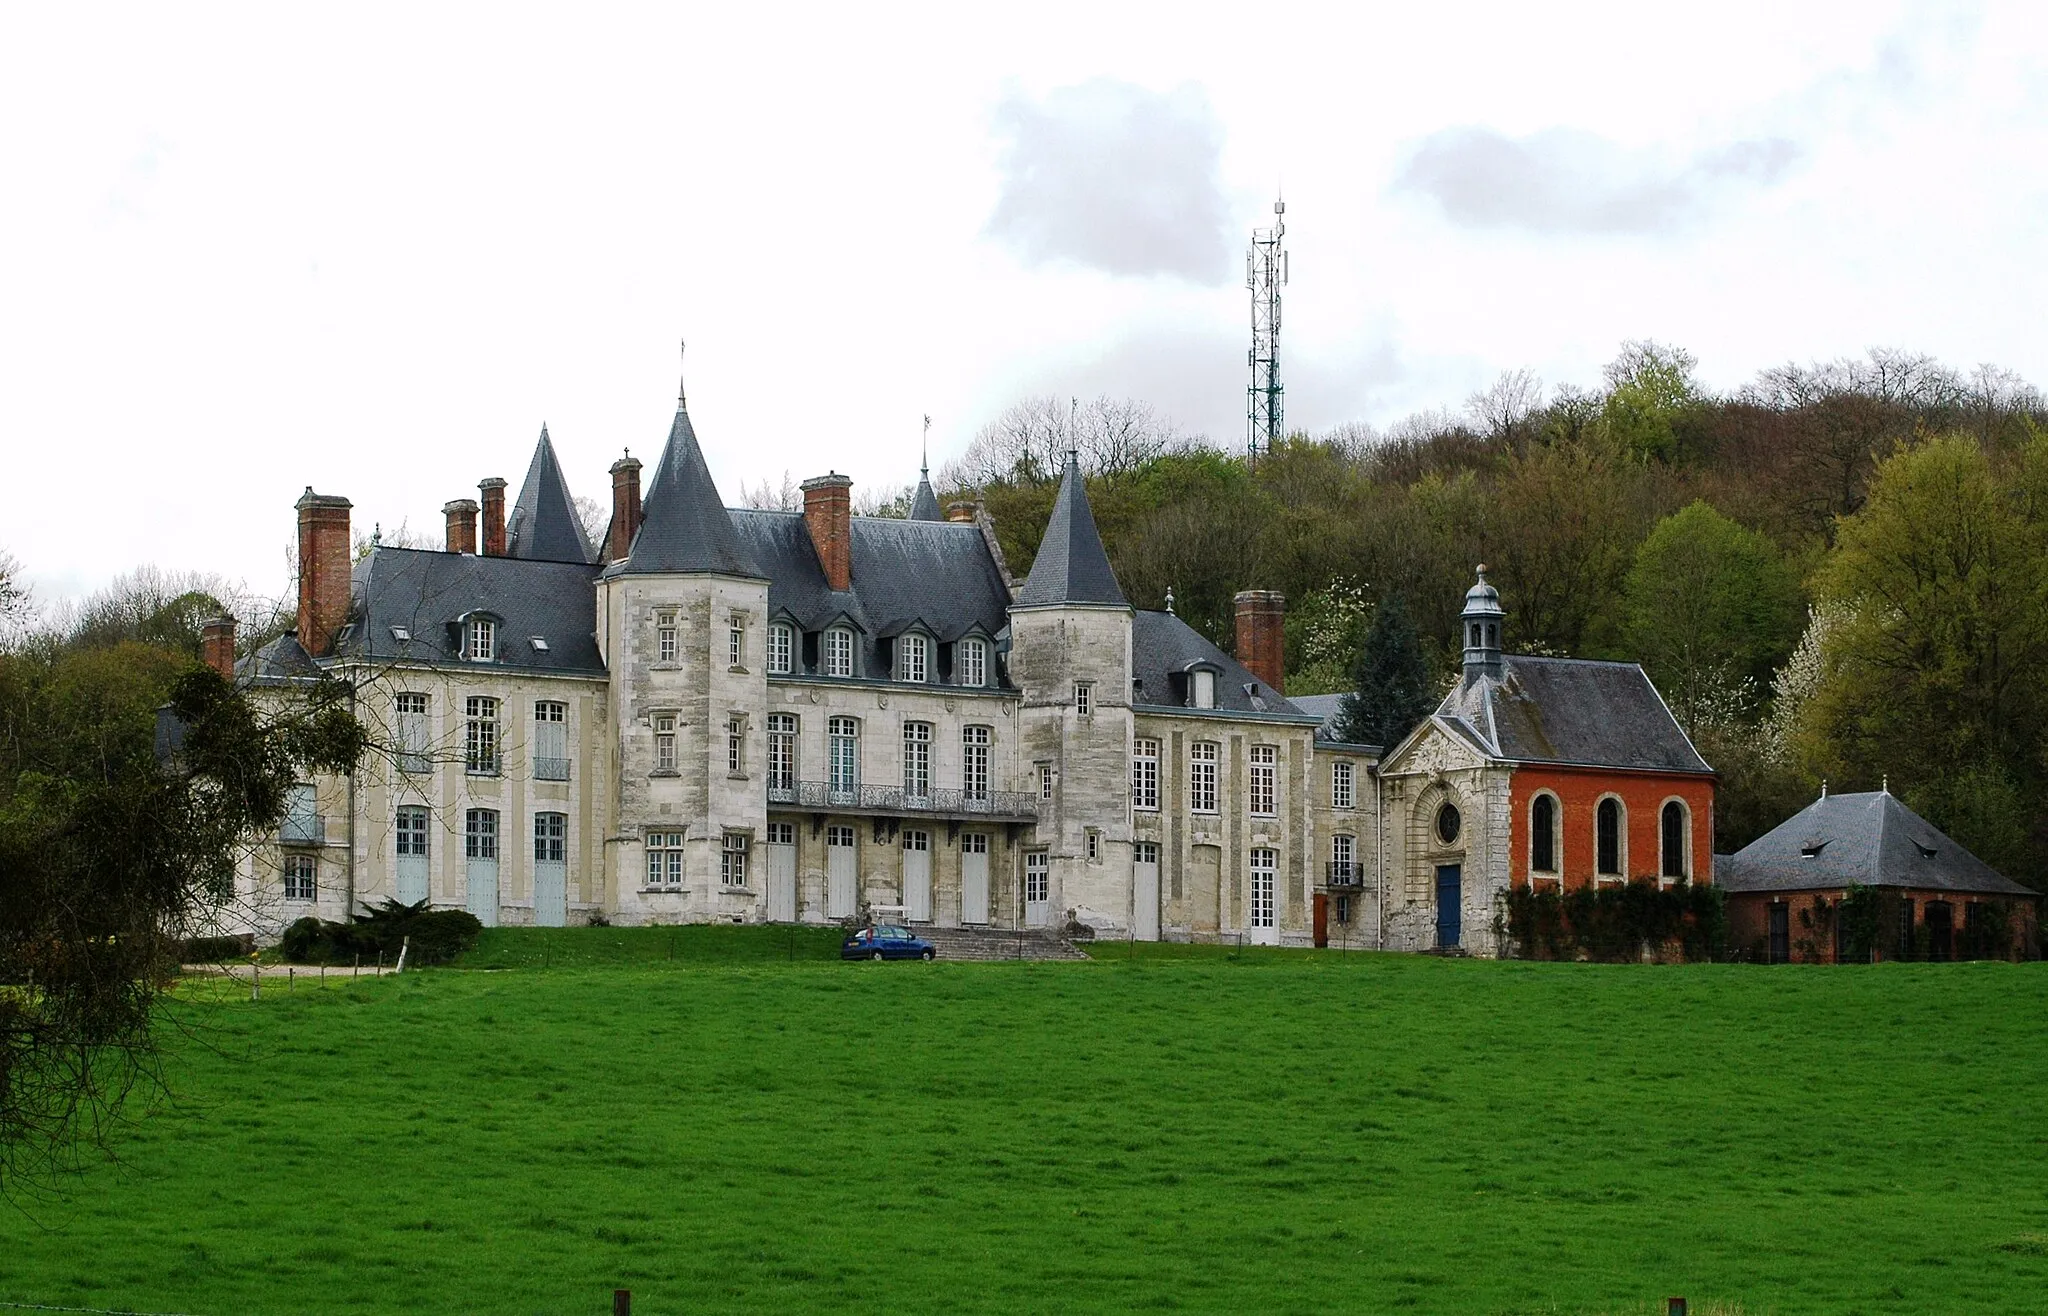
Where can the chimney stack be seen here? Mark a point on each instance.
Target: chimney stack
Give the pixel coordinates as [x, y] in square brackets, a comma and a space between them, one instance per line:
[828, 514]
[493, 493]
[962, 512]
[625, 508]
[461, 516]
[217, 645]
[323, 569]
[1262, 637]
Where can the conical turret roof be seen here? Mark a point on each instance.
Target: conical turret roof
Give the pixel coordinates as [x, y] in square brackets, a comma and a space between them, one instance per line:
[924, 504]
[684, 528]
[544, 524]
[1071, 566]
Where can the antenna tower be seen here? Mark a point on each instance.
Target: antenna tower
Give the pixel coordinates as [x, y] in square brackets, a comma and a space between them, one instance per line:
[1265, 273]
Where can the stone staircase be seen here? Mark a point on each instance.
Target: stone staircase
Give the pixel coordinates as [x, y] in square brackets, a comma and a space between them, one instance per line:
[997, 944]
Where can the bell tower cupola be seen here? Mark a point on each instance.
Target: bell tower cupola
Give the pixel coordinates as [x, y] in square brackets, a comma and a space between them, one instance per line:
[1482, 620]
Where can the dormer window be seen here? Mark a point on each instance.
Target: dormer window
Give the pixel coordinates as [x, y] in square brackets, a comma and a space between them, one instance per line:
[781, 649]
[970, 662]
[480, 640]
[1202, 688]
[912, 658]
[839, 652]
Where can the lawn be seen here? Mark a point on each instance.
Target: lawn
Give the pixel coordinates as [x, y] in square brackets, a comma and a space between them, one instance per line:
[742, 1126]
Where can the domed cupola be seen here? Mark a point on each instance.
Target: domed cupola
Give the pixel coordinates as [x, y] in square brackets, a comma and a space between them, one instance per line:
[1482, 620]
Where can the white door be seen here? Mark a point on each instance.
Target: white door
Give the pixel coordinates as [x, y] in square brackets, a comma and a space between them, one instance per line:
[481, 891]
[550, 870]
[917, 876]
[973, 878]
[1037, 889]
[781, 872]
[1265, 931]
[1145, 891]
[842, 872]
[410, 879]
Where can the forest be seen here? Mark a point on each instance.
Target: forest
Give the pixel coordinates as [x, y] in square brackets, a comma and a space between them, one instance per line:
[1837, 573]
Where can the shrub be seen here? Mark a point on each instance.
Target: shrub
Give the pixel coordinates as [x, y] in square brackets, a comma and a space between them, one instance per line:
[212, 950]
[437, 935]
[1617, 924]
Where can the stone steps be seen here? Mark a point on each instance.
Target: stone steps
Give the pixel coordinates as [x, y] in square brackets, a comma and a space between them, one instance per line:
[998, 944]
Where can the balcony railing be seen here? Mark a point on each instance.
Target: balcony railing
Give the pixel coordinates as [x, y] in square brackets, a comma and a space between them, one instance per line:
[823, 796]
[302, 829]
[481, 765]
[545, 769]
[1346, 872]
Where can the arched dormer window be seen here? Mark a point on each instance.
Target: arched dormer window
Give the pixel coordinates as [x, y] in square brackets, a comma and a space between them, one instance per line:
[837, 658]
[1543, 834]
[1202, 687]
[479, 638]
[781, 649]
[970, 662]
[1675, 835]
[1607, 838]
[913, 658]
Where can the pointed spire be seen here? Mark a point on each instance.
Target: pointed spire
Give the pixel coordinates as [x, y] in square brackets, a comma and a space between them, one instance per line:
[544, 524]
[1071, 566]
[684, 527]
[924, 504]
[682, 381]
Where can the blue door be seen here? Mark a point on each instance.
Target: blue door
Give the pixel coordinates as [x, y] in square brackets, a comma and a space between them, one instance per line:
[1449, 885]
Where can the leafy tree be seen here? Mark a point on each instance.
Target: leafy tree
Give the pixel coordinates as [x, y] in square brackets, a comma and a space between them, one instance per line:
[1394, 691]
[1711, 609]
[1650, 391]
[106, 850]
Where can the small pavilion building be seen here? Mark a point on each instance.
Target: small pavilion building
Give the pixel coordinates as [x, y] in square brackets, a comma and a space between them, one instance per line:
[1934, 900]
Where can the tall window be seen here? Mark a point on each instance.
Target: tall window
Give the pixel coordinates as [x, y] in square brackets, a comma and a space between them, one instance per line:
[974, 743]
[842, 737]
[480, 735]
[664, 858]
[917, 759]
[1673, 828]
[664, 742]
[299, 877]
[550, 838]
[736, 643]
[1202, 756]
[1045, 781]
[480, 639]
[413, 733]
[301, 824]
[782, 751]
[732, 860]
[1265, 865]
[1607, 838]
[912, 658]
[1265, 760]
[1203, 688]
[1092, 842]
[412, 831]
[551, 740]
[1543, 835]
[839, 652]
[665, 636]
[1144, 774]
[1343, 794]
[480, 834]
[1084, 698]
[971, 662]
[781, 650]
[1343, 851]
[736, 744]
[1037, 878]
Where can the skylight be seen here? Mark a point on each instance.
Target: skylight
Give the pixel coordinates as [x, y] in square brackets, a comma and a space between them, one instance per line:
[540, 645]
[401, 634]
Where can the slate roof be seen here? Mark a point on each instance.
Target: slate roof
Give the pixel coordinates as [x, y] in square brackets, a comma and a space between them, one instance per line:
[1571, 711]
[1327, 708]
[1163, 647]
[425, 594]
[1867, 839]
[937, 574]
[684, 528]
[924, 504]
[544, 525]
[283, 659]
[1071, 566]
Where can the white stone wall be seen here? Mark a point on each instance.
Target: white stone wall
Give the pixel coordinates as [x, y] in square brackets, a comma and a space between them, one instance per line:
[1438, 768]
[1361, 822]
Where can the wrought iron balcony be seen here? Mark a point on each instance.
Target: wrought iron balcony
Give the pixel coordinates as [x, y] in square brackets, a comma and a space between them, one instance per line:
[1346, 872]
[824, 797]
[302, 829]
[546, 769]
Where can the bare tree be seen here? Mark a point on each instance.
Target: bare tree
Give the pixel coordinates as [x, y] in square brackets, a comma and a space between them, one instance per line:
[1029, 442]
[1501, 409]
[595, 518]
[785, 497]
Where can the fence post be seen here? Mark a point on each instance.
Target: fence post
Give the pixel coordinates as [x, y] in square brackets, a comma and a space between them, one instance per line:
[622, 1302]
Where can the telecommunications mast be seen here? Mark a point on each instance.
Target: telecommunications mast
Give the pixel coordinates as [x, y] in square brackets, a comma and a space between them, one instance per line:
[1265, 273]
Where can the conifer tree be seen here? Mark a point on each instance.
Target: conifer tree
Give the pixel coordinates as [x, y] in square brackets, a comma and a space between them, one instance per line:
[1394, 691]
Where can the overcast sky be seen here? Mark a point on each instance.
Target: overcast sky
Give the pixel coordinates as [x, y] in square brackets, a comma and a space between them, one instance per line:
[372, 250]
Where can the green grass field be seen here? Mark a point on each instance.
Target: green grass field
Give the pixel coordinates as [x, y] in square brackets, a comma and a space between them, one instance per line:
[743, 1126]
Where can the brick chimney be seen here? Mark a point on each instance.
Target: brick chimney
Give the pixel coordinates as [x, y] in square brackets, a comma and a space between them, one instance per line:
[323, 569]
[461, 516]
[217, 645]
[1261, 636]
[625, 507]
[492, 492]
[828, 514]
[963, 512]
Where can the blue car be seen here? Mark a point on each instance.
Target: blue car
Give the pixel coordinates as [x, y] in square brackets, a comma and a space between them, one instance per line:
[886, 943]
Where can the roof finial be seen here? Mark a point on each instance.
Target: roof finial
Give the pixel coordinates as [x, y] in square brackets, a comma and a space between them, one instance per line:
[924, 459]
[1887, 786]
[682, 394]
[1823, 787]
[1169, 600]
